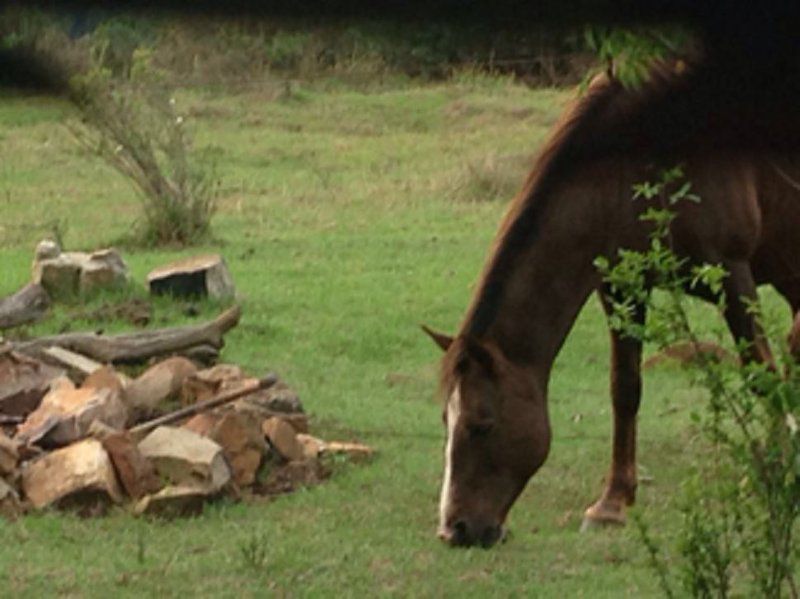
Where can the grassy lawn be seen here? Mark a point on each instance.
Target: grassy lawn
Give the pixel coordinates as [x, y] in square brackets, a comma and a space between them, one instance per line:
[348, 218]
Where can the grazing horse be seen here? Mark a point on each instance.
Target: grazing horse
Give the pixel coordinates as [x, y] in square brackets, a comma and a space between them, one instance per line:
[575, 206]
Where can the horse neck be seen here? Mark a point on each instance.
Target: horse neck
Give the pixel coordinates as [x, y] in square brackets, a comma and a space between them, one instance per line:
[549, 279]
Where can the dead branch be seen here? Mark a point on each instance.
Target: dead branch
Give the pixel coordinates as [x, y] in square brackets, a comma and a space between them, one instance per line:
[140, 346]
[29, 304]
[221, 399]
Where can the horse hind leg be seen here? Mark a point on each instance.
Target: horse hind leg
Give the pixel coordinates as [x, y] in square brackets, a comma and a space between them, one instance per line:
[626, 391]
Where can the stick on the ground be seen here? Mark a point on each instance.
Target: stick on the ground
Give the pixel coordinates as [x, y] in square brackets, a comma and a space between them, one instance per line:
[221, 399]
[137, 347]
[29, 304]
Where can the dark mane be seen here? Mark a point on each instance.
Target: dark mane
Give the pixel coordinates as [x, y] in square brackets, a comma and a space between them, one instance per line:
[606, 120]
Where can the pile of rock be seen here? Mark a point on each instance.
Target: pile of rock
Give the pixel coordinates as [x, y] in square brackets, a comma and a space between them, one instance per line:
[84, 438]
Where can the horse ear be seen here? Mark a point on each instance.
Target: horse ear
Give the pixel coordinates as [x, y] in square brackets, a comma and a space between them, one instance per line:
[440, 339]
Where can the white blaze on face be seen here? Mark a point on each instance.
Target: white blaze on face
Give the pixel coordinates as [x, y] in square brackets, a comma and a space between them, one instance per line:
[453, 414]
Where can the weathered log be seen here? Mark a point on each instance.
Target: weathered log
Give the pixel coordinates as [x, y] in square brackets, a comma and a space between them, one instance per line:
[214, 402]
[139, 346]
[27, 305]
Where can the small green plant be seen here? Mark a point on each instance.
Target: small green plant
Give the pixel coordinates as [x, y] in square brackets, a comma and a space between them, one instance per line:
[254, 551]
[740, 513]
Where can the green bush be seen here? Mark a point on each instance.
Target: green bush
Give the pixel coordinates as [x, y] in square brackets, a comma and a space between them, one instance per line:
[741, 510]
[137, 130]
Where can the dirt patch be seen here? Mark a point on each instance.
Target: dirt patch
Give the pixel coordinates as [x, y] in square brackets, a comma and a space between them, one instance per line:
[287, 477]
[137, 311]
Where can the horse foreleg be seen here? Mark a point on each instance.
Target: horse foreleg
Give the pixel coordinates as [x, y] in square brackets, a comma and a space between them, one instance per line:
[626, 391]
[740, 290]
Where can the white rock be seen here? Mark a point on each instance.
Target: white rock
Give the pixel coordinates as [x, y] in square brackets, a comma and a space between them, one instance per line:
[105, 269]
[45, 249]
[66, 273]
[60, 275]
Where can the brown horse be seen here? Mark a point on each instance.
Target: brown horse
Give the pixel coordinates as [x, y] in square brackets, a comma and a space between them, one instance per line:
[577, 205]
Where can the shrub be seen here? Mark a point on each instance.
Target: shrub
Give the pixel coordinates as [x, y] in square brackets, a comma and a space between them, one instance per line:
[137, 130]
[740, 512]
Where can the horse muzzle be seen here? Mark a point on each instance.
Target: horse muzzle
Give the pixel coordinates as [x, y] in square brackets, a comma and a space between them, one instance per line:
[463, 533]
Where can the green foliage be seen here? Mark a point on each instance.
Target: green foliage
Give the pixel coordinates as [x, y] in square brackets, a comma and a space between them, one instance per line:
[741, 510]
[627, 54]
[286, 49]
[250, 52]
[116, 40]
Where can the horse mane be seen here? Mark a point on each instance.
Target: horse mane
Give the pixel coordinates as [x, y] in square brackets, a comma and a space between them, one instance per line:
[608, 119]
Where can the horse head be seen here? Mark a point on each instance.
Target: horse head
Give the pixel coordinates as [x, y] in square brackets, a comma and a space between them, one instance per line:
[497, 437]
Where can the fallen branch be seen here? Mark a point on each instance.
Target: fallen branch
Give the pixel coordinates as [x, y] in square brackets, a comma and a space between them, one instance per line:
[140, 346]
[29, 304]
[221, 399]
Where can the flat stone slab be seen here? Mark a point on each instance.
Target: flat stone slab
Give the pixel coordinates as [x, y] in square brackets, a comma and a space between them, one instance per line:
[353, 450]
[80, 469]
[206, 275]
[312, 446]
[243, 444]
[23, 383]
[157, 384]
[172, 501]
[185, 458]
[205, 384]
[78, 365]
[136, 473]
[283, 439]
[66, 414]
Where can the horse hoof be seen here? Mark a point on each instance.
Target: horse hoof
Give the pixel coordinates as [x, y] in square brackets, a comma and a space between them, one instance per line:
[597, 517]
[588, 524]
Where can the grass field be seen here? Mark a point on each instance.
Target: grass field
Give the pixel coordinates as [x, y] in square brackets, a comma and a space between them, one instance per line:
[348, 218]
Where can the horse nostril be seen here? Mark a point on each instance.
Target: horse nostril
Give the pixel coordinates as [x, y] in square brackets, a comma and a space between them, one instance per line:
[490, 536]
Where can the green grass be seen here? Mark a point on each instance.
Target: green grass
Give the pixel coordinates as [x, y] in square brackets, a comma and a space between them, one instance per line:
[342, 230]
